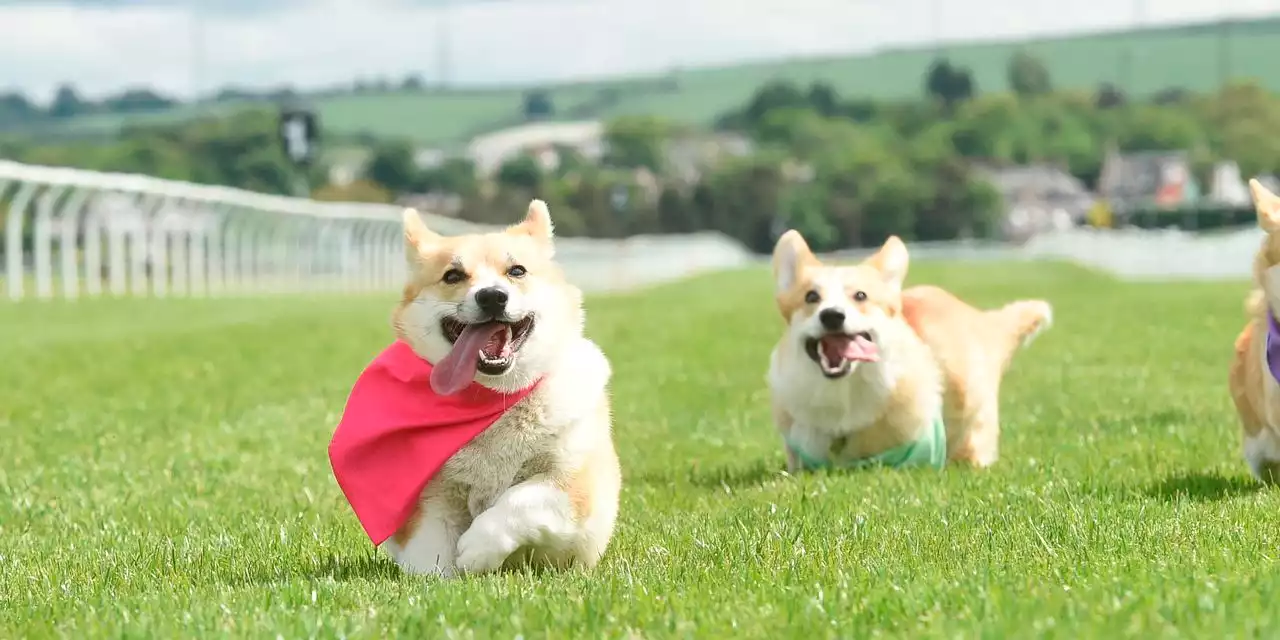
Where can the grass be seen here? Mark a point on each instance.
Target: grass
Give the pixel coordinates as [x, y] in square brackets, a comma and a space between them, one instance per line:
[1193, 57]
[164, 475]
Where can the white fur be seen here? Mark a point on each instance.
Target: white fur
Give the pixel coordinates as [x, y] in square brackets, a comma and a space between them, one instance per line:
[1261, 450]
[478, 511]
[497, 495]
[823, 409]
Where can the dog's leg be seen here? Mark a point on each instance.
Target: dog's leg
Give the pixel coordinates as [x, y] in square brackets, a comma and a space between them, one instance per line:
[427, 544]
[535, 513]
[783, 422]
[979, 441]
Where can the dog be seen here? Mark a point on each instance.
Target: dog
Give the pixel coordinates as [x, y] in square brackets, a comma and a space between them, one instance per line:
[1255, 367]
[491, 315]
[869, 374]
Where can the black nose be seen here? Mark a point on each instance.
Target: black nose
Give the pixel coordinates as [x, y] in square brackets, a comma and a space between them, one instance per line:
[492, 300]
[831, 319]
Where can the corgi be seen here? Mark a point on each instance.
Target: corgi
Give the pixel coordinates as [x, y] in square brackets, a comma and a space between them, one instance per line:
[1256, 365]
[867, 373]
[539, 486]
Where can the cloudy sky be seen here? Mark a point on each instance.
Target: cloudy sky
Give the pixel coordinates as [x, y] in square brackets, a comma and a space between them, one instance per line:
[105, 45]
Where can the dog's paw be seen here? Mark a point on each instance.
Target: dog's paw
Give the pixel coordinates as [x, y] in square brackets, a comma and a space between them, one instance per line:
[483, 548]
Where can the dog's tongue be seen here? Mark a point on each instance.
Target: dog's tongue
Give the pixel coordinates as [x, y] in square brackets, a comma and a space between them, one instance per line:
[458, 369]
[854, 349]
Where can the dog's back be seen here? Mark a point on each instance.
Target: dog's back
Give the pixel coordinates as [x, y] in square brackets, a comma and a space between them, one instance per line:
[973, 347]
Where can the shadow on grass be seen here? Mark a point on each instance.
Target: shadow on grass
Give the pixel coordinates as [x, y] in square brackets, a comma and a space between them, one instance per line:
[374, 568]
[1202, 487]
[738, 476]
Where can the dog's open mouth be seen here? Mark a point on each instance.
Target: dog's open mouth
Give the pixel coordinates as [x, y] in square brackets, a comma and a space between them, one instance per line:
[501, 340]
[488, 347]
[835, 353]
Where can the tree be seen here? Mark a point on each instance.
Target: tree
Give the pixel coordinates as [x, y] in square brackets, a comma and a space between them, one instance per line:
[823, 99]
[454, 175]
[635, 141]
[67, 103]
[773, 95]
[538, 105]
[520, 172]
[137, 100]
[412, 83]
[393, 167]
[1109, 96]
[1028, 76]
[16, 108]
[949, 84]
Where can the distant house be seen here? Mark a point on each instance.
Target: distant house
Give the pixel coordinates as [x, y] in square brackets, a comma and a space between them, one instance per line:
[1143, 180]
[1038, 198]
[491, 150]
[687, 157]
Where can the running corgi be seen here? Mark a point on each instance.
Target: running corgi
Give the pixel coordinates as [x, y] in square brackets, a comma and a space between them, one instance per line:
[867, 373]
[1256, 366]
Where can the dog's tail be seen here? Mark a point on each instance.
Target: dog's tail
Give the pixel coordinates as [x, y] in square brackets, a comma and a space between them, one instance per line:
[1018, 323]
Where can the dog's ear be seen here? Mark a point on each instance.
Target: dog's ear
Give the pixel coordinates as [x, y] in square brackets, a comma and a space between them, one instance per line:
[417, 237]
[537, 224]
[791, 256]
[891, 261]
[1267, 205]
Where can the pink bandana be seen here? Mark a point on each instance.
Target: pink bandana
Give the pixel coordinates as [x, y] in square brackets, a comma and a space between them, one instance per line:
[397, 432]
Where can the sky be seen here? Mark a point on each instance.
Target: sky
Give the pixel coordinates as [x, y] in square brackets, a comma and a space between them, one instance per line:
[184, 46]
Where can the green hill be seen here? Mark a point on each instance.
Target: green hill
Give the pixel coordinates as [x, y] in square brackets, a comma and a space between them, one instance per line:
[1195, 57]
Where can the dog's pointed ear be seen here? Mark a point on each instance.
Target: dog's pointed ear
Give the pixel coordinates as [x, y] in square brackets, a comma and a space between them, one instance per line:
[790, 256]
[417, 237]
[1267, 205]
[891, 261]
[537, 223]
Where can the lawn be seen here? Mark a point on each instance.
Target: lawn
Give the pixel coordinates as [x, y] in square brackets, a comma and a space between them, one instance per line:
[164, 475]
[1193, 57]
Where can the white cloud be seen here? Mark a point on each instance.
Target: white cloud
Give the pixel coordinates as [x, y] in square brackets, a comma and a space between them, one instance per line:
[330, 41]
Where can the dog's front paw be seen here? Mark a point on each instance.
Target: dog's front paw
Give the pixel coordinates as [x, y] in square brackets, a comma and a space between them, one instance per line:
[483, 547]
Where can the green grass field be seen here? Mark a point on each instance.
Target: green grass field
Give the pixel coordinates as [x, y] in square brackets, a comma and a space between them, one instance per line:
[164, 474]
[1192, 57]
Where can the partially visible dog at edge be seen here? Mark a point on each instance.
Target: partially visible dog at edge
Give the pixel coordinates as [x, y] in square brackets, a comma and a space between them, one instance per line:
[538, 486]
[869, 374]
[1254, 378]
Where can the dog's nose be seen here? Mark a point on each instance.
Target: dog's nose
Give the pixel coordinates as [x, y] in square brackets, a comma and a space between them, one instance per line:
[831, 319]
[492, 300]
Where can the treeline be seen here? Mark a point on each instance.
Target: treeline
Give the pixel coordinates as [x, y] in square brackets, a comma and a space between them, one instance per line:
[845, 170]
[16, 108]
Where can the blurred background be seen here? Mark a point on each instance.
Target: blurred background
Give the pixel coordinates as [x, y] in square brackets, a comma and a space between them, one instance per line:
[1112, 132]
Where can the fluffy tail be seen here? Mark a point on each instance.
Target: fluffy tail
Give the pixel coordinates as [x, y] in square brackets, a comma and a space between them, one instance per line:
[1020, 322]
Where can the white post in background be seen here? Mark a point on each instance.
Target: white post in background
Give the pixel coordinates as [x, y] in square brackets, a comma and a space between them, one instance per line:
[42, 239]
[68, 226]
[15, 271]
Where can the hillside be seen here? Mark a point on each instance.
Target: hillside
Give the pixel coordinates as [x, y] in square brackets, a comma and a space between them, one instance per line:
[1193, 57]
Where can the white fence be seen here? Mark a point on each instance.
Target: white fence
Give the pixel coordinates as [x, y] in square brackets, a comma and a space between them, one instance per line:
[73, 233]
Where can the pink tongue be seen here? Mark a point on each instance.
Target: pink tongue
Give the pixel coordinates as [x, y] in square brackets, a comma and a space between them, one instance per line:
[856, 349]
[458, 369]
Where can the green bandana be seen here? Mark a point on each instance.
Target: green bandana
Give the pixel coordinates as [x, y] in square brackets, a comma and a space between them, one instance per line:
[930, 449]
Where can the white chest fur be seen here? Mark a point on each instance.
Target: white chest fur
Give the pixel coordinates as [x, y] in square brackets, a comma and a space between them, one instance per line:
[543, 431]
[821, 409]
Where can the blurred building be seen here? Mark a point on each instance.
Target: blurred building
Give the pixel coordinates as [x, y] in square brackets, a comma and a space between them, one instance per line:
[1038, 198]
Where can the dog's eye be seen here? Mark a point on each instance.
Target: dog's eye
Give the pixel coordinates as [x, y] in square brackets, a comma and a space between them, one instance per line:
[860, 296]
[516, 271]
[454, 276]
[812, 297]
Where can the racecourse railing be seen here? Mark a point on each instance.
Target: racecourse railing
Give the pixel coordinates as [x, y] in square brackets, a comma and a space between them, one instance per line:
[73, 233]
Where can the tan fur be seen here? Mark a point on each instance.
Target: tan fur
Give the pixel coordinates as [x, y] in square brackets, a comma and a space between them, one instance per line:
[1253, 391]
[941, 354]
[544, 479]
